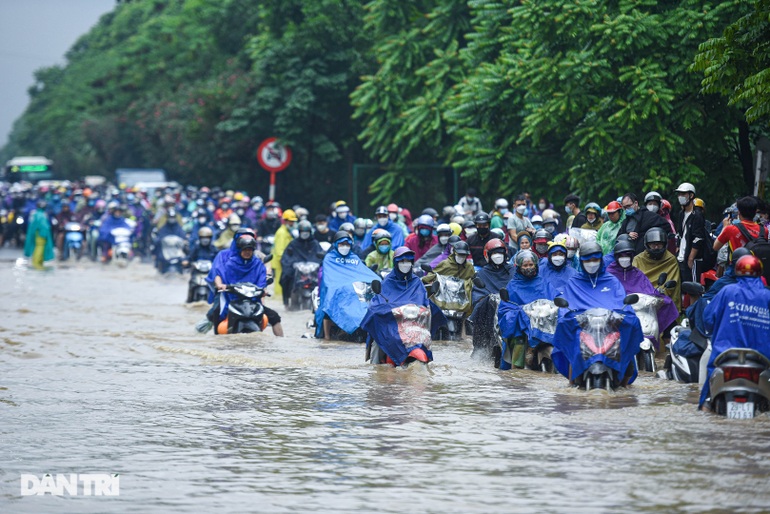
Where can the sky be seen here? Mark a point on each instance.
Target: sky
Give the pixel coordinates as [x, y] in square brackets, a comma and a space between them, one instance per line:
[36, 34]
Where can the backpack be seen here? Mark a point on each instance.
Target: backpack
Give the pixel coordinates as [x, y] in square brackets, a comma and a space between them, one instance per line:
[759, 246]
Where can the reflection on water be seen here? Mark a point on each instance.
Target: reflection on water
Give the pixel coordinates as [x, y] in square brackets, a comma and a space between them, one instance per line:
[101, 371]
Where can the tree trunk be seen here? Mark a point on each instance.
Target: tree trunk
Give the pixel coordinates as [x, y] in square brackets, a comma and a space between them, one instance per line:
[745, 155]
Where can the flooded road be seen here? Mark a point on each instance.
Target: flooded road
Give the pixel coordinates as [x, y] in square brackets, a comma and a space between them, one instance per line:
[101, 371]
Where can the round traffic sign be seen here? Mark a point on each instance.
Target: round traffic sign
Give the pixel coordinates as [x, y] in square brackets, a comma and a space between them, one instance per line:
[273, 156]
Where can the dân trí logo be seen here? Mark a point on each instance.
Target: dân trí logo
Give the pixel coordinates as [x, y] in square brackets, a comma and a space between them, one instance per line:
[71, 484]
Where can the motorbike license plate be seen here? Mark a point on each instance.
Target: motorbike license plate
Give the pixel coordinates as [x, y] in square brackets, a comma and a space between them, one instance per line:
[736, 410]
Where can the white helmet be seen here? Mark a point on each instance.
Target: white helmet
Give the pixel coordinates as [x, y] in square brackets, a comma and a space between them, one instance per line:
[653, 196]
[501, 203]
[685, 187]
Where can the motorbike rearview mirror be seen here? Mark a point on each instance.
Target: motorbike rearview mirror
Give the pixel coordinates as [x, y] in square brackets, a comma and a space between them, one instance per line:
[374, 267]
[269, 280]
[479, 283]
[320, 255]
[662, 278]
[631, 299]
[267, 258]
[426, 268]
[376, 286]
[434, 288]
[504, 296]
[671, 284]
[561, 302]
[693, 288]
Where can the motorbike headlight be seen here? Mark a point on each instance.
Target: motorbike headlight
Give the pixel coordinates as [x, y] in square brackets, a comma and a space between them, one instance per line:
[19, 220]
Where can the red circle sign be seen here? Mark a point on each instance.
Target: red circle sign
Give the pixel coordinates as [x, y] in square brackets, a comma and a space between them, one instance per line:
[273, 156]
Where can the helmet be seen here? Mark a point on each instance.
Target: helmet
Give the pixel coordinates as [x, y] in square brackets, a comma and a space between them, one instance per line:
[527, 255]
[113, 205]
[425, 221]
[448, 211]
[537, 219]
[592, 206]
[469, 224]
[624, 247]
[492, 245]
[556, 246]
[380, 234]
[347, 227]
[590, 250]
[550, 213]
[455, 228]
[359, 223]
[653, 196]
[740, 252]
[100, 204]
[430, 212]
[458, 218]
[392, 207]
[748, 266]
[461, 248]
[665, 205]
[498, 233]
[381, 210]
[403, 253]
[339, 203]
[542, 236]
[655, 235]
[234, 219]
[257, 200]
[613, 207]
[341, 235]
[698, 202]
[246, 241]
[238, 196]
[550, 221]
[571, 243]
[685, 187]
[302, 212]
[369, 224]
[443, 229]
[481, 217]
[290, 215]
[501, 203]
[305, 226]
[205, 232]
[205, 189]
[245, 231]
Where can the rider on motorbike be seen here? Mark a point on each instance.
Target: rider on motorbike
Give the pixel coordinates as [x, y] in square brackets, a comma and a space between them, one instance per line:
[739, 315]
[226, 236]
[113, 221]
[422, 239]
[302, 249]
[556, 268]
[655, 259]
[382, 256]
[202, 249]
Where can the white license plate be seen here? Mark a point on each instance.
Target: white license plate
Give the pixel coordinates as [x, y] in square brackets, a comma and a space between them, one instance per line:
[737, 410]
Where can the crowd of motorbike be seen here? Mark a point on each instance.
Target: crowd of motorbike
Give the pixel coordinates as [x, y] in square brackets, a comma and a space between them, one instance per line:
[531, 288]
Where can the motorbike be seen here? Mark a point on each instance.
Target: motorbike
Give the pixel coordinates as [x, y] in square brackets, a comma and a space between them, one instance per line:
[122, 246]
[305, 282]
[171, 254]
[600, 336]
[198, 289]
[265, 244]
[454, 302]
[245, 314]
[414, 323]
[690, 346]
[740, 384]
[92, 238]
[543, 315]
[647, 311]
[73, 240]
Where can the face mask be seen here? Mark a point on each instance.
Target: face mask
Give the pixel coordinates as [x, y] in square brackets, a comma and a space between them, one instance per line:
[234, 228]
[503, 211]
[343, 249]
[460, 259]
[483, 231]
[271, 215]
[342, 215]
[570, 254]
[541, 249]
[171, 221]
[558, 260]
[304, 235]
[497, 258]
[404, 267]
[568, 209]
[630, 212]
[541, 206]
[443, 240]
[321, 227]
[684, 200]
[469, 198]
[393, 216]
[591, 219]
[521, 209]
[537, 226]
[202, 220]
[294, 233]
[383, 249]
[383, 222]
[550, 229]
[205, 241]
[529, 272]
[735, 221]
[360, 231]
[240, 212]
[424, 232]
[652, 207]
[591, 267]
[624, 262]
[210, 208]
[470, 232]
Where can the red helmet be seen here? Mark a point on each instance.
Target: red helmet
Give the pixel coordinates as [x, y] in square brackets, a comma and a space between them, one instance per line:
[748, 266]
[665, 205]
[493, 244]
[613, 206]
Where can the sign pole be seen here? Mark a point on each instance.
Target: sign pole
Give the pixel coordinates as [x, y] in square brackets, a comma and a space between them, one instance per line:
[273, 157]
[271, 192]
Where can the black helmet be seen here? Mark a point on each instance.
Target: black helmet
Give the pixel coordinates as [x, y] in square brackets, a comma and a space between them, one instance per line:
[624, 247]
[246, 242]
[430, 211]
[340, 235]
[655, 235]
[453, 239]
[462, 248]
[481, 217]
[245, 230]
[381, 210]
[305, 226]
[738, 253]
[588, 249]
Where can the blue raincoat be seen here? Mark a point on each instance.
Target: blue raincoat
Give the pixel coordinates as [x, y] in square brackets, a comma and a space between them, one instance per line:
[339, 300]
[584, 292]
[396, 234]
[380, 323]
[108, 225]
[738, 317]
[557, 278]
[513, 321]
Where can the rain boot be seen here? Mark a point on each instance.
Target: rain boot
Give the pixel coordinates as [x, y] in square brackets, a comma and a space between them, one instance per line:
[519, 352]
